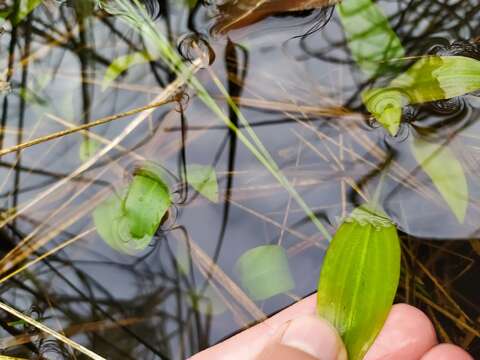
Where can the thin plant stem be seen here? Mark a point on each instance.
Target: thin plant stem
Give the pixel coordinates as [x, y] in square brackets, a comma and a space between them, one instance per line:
[51, 332]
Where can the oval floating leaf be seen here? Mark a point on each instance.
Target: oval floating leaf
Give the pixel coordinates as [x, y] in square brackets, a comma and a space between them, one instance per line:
[113, 227]
[204, 180]
[431, 78]
[127, 222]
[264, 272]
[446, 172]
[359, 278]
[370, 38]
[122, 64]
[146, 203]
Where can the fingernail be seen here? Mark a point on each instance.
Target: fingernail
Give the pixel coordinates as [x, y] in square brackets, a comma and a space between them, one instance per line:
[314, 336]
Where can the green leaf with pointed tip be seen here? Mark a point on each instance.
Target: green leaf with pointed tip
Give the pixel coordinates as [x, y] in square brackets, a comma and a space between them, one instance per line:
[446, 172]
[122, 64]
[359, 278]
[370, 38]
[264, 272]
[146, 203]
[204, 180]
[113, 227]
[431, 78]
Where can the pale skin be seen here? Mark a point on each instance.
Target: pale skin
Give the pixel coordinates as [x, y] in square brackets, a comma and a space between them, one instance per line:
[408, 334]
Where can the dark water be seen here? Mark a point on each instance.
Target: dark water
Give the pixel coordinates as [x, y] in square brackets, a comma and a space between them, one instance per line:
[295, 81]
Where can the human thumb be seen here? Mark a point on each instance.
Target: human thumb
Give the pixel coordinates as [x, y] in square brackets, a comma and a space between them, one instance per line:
[305, 338]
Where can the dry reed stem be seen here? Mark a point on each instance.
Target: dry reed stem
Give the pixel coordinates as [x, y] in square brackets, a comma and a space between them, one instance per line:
[102, 121]
[51, 332]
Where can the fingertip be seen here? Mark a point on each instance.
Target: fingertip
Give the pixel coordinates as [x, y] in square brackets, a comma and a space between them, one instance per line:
[446, 352]
[407, 334]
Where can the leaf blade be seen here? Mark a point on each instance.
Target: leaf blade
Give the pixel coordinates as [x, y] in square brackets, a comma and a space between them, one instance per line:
[264, 272]
[204, 180]
[452, 183]
[355, 293]
[371, 40]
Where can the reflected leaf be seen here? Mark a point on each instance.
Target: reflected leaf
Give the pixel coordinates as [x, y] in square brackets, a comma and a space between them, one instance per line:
[88, 148]
[446, 172]
[122, 64]
[370, 38]
[204, 180]
[25, 8]
[182, 257]
[431, 78]
[359, 278]
[235, 14]
[264, 272]
[207, 302]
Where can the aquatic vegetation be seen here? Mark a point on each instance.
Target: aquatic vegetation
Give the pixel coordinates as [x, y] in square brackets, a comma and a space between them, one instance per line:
[431, 78]
[373, 43]
[203, 179]
[128, 220]
[19, 10]
[122, 64]
[434, 159]
[88, 148]
[359, 278]
[264, 272]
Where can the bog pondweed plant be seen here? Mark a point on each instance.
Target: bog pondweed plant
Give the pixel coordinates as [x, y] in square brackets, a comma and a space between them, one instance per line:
[128, 220]
[359, 277]
[431, 78]
[377, 50]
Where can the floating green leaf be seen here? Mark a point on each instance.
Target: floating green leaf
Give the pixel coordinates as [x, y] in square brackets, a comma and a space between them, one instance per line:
[146, 203]
[204, 180]
[113, 226]
[359, 278]
[370, 38]
[431, 78]
[264, 272]
[122, 64]
[446, 172]
[127, 222]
